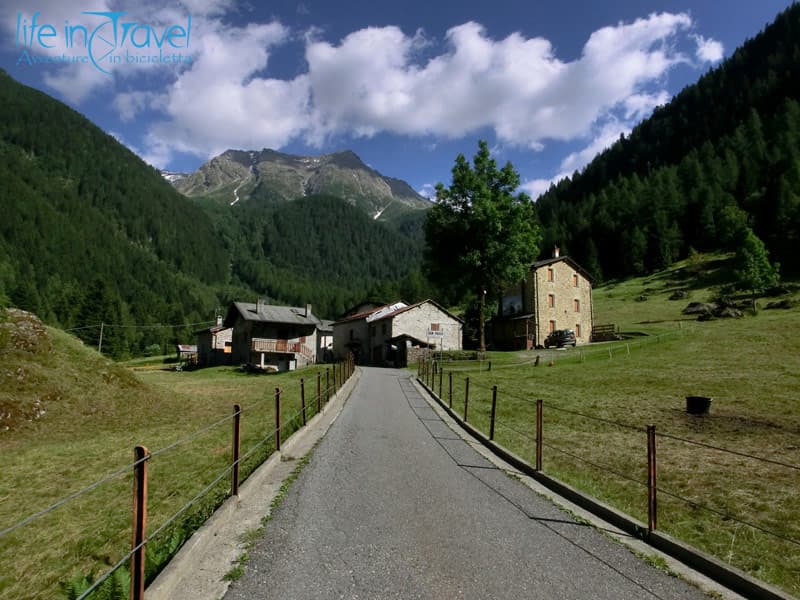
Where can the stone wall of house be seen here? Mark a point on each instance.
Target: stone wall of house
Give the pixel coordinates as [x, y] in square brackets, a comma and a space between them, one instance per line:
[349, 335]
[417, 322]
[571, 303]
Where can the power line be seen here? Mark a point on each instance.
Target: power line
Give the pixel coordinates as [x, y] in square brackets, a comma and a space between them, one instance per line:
[154, 326]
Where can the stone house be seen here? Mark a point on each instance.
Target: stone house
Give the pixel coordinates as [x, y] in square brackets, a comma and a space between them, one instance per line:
[556, 294]
[214, 345]
[388, 335]
[277, 338]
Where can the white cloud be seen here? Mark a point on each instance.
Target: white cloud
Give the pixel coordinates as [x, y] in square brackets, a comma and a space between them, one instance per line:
[536, 187]
[130, 104]
[609, 133]
[709, 50]
[380, 79]
[428, 190]
[638, 106]
[373, 81]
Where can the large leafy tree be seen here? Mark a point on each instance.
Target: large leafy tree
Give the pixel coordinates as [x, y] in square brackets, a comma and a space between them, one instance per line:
[756, 273]
[481, 235]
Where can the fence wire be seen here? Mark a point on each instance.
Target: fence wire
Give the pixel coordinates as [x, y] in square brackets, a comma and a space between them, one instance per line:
[728, 516]
[604, 468]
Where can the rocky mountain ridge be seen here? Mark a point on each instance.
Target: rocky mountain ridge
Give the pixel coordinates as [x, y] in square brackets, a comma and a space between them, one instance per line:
[272, 177]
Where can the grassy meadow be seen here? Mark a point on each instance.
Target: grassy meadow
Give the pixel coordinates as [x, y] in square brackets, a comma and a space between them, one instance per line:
[749, 366]
[96, 412]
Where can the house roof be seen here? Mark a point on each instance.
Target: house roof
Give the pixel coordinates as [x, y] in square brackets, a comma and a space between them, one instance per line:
[365, 313]
[413, 306]
[388, 311]
[549, 261]
[418, 341]
[186, 348]
[211, 330]
[325, 326]
[269, 313]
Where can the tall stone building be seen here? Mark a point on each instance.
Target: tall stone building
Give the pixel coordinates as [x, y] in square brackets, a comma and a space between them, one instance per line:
[556, 294]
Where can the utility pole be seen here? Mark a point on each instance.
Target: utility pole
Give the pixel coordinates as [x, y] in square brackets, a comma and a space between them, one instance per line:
[100, 344]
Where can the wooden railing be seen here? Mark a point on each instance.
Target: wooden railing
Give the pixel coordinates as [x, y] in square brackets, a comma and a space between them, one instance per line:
[281, 346]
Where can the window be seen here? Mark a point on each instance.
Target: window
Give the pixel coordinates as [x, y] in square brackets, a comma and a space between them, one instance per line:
[575, 279]
[550, 275]
[552, 326]
[434, 326]
[577, 330]
[577, 305]
[551, 300]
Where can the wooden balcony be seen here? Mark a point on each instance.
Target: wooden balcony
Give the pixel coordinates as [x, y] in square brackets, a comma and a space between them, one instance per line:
[281, 347]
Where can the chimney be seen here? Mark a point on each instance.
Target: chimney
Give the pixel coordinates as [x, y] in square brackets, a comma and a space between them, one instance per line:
[261, 303]
[556, 251]
[219, 320]
[308, 310]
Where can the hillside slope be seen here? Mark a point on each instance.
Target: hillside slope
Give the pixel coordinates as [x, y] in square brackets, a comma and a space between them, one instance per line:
[90, 232]
[722, 156]
[319, 249]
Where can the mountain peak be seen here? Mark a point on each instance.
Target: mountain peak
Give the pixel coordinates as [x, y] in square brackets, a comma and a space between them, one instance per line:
[267, 176]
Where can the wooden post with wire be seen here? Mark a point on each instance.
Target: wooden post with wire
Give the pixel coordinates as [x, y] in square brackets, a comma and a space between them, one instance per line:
[441, 374]
[277, 419]
[450, 377]
[466, 398]
[327, 385]
[494, 412]
[141, 456]
[652, 509]
[539, 435]
[236, 446]
[319, 391]
[303, 399]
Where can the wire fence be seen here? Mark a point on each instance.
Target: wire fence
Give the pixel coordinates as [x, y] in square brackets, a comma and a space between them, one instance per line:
[258, 449]
[622, 445]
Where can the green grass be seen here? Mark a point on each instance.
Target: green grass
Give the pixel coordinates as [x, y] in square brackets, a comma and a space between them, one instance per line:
[96, 412]
[749, 366]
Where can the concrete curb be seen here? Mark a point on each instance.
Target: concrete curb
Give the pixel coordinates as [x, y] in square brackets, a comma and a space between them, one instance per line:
[705, 564]
[196, 572]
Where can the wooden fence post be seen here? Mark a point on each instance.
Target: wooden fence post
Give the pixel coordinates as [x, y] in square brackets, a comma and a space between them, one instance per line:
[303, 399]
[652, 513]
[319, 391]
[277, 419]
[441, 374]
[236, 446]
[327, 385]
[494, 411]
[141, 456]
[466, 399]
[539, 435]
[450, 377]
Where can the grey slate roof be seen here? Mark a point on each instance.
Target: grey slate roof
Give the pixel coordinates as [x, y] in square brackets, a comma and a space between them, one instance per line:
[549, 261]
[269, 313]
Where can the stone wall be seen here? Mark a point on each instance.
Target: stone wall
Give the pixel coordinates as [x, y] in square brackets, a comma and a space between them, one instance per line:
[563, 313]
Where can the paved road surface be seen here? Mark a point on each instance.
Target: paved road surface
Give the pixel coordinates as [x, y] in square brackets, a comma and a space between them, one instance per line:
[394, 504]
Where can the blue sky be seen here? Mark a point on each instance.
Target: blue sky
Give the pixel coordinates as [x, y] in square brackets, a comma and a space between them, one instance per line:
[406, 85]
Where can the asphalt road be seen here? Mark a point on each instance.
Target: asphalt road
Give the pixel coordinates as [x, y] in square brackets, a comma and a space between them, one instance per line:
[394, 504]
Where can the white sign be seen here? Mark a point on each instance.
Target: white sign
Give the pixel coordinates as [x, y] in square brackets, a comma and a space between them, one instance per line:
[437, 334]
